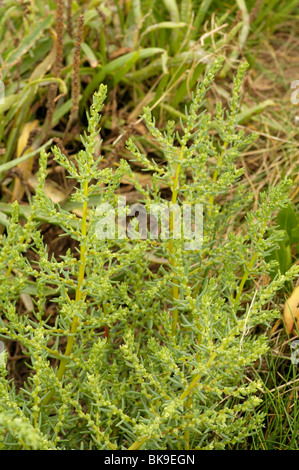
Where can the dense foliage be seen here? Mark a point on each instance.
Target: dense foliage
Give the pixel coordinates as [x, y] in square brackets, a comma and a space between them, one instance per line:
[150, 341]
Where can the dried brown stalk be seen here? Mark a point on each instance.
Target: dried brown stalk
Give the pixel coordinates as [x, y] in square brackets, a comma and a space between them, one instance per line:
[57, 67]
[75, 75]
[69, 18]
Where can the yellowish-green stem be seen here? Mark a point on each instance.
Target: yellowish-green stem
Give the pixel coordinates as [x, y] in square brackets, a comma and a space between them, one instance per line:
[216, 173]
[78, 297]
[175, 290]
[137, 444]
[187, 432]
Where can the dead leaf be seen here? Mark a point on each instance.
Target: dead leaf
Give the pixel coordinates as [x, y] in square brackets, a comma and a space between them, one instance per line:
[27, 301]
[52, 191]
[119, 52]
[131, 196]
[26, 166]
[144, 179]
[291, 310]
[156, 259]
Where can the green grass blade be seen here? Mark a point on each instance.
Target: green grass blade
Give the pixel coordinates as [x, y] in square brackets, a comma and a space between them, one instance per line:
[27, 43]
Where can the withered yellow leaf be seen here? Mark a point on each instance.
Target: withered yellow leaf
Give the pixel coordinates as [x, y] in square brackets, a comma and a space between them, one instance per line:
[291, 310]
[27, 128]
[52, 191]
[26, 166]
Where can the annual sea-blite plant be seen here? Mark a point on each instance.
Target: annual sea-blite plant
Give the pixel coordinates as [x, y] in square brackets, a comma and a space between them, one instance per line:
[148, 343]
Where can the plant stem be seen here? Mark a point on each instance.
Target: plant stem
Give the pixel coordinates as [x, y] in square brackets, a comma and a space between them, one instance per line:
[245, 277]
[215, 175]
[78, 298]
[248, 269]
[175, 290]
[137, 444]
